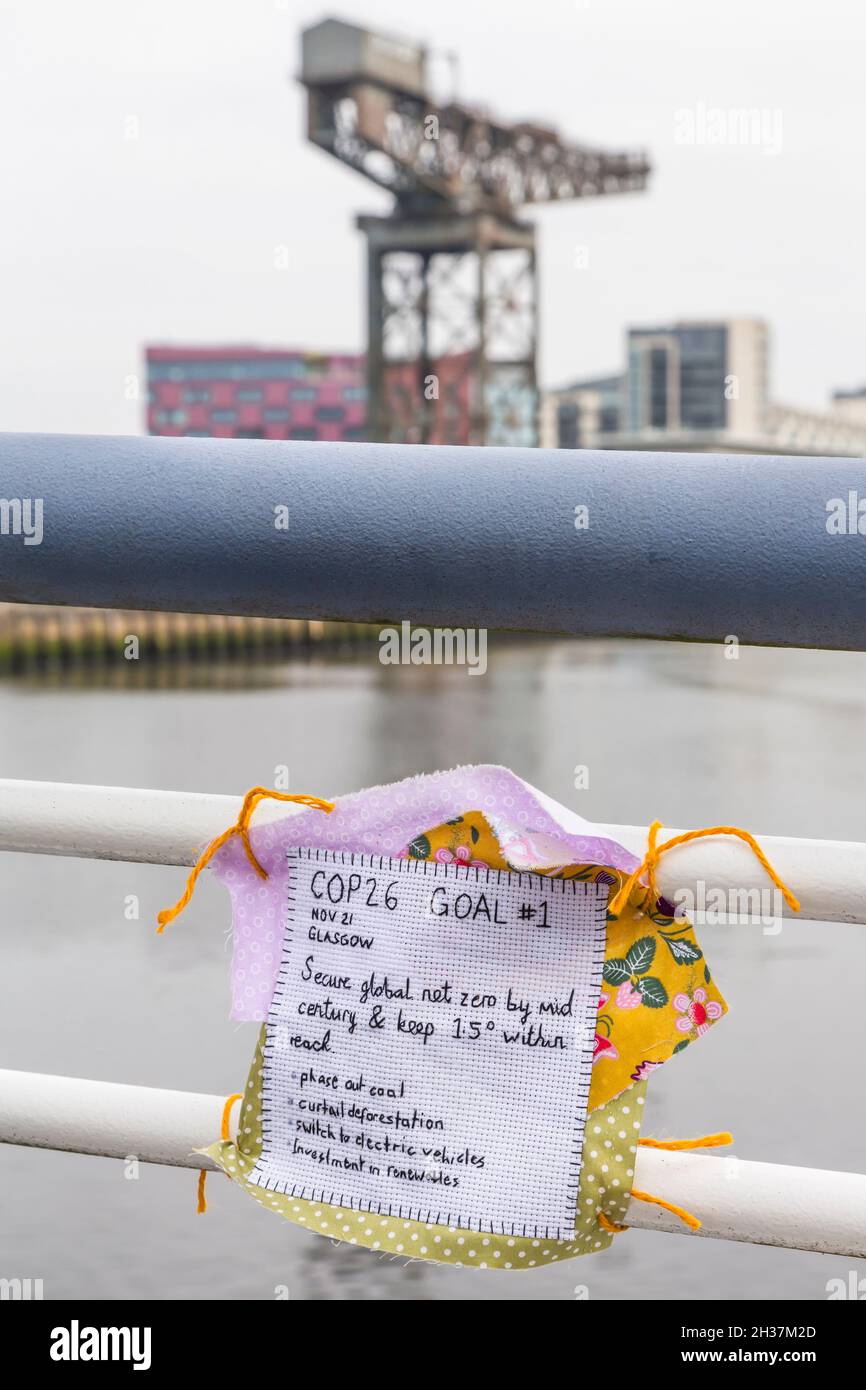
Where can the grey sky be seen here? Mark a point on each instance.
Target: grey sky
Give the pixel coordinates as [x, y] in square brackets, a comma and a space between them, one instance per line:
[109, 242]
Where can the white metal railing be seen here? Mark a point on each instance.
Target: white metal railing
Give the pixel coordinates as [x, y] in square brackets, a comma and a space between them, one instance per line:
[159, 827]
[766, 1204]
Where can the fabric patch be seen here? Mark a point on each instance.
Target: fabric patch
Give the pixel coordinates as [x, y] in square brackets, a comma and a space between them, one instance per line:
[656, 999]
[607, 1176]
[430, 1041]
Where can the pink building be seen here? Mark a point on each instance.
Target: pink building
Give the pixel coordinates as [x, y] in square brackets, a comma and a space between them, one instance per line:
[255, 393]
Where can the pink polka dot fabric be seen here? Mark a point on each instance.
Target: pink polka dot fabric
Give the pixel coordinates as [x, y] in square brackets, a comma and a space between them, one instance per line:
[380, 820]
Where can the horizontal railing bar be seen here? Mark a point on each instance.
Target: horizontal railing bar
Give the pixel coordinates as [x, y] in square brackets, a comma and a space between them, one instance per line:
[160, 827]
[131, 824]
[690, 547]
[108, 1119]
[763, 1203]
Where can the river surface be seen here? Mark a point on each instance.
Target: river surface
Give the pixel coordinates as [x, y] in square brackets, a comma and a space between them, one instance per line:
[774, 741]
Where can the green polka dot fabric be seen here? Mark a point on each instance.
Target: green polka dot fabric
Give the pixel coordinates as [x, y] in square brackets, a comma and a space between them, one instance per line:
[607, 1175]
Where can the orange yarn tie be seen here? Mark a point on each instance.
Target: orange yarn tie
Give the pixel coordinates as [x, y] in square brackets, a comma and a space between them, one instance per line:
[706, 1141]
[227, 1114]
[242, 828]
[655, 852]
[685, 1216]
[225, 1133]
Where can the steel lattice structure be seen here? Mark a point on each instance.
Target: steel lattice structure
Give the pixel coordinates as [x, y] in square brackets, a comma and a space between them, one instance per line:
[452, 284]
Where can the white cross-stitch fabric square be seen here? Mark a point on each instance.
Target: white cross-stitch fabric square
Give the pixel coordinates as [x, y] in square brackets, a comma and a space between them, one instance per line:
[430, 1039]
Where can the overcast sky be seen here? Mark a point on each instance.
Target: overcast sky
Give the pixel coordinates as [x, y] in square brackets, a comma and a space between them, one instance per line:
[109, 242]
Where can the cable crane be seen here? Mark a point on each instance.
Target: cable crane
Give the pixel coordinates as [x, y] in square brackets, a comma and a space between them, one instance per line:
[451, 271]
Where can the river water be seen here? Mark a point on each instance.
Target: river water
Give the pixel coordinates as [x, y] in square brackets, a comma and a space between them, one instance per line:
[774, 741]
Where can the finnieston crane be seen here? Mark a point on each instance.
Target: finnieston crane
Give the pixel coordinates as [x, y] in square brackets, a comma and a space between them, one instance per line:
[451, 271]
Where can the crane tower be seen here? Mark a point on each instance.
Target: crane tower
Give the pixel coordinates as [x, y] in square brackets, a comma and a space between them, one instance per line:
[451, 271]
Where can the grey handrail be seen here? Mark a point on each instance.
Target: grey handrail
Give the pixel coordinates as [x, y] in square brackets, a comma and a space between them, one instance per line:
[695, 547]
